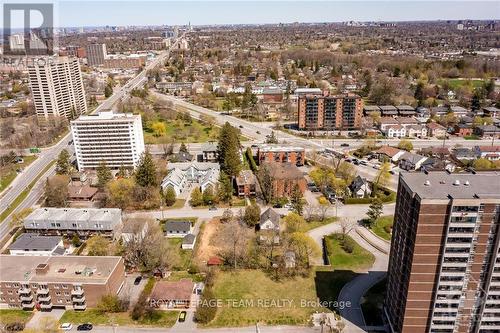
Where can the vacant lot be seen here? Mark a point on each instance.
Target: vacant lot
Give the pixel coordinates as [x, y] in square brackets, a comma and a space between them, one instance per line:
[8, 316]
[157, 319]
[182, 131]
[250, 296]
[357, 260]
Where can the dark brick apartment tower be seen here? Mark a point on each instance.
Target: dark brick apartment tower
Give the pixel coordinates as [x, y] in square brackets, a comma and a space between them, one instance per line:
[444, 266]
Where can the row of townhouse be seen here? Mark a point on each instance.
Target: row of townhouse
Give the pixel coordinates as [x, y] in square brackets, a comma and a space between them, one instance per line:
[401, 127]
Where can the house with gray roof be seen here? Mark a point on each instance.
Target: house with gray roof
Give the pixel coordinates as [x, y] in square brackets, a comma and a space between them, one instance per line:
[178, 229]
[180, 174]
[209, 152]
[409, 161]
[188, 242]
[269, 220]
[82, 221]
[31, 244]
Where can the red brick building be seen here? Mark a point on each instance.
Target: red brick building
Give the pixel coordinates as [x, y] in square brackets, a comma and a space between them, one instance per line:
[329, 112]
[285, 177]
[246, 183]
[281, 154]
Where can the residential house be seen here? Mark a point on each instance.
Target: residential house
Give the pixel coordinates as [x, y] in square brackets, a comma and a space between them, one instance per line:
[386, 122]
[490, 131]
[406, 110]
[171, 294]
[459, 111]
[64, 282]
[134, 230]
[388, 153]
[178, 229]
[269, 226]
[464, 154]
[491, 111]
[370, 109]
[188, 242]
[246, 183]
[176, 179]
[282, 154]
[82, 221]
[180, 174]
[182, 157]
[209, 152]
[395, 131]
[409, 161]
[440, 152]
[82, 192]
[35, 245]
[440, 110]
[286, 177]
[491, 153]
[436, 130]
[463, 130]
[416, 131]
[388, 110]
[360, 187]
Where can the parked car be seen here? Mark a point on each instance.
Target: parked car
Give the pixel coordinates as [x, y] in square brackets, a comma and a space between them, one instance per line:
[363, 162]
[392, 172]
[137, 280]
[355, 162]
[182, 316]
[14, 327]
[241, 126]
[66, 326]
[258, 132]
[212, 208]
[85, 327]
[344, 145]
[348, 160]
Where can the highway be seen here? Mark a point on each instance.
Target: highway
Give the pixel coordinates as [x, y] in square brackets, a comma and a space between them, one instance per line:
[49, 154]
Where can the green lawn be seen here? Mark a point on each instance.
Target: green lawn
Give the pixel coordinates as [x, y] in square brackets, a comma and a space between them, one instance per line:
[8, 173]
[181, 131]
[158, 318]
[8, 316]
[179, 203]
[457, 83]
[179, 275]
[382, 227]
[315, 224]
[359, 260]
[185, 255]
[372, 304]
[247, 297]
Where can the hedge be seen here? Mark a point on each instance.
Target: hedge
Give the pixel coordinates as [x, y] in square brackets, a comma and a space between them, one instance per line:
[251, 160]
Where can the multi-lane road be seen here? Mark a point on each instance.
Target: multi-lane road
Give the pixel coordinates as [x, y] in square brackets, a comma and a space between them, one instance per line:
[49, 154]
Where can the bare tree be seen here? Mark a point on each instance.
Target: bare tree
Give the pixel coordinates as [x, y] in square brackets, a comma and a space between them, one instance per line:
[346, 226]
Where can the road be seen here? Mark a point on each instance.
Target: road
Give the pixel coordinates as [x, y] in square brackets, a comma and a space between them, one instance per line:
[49, 154]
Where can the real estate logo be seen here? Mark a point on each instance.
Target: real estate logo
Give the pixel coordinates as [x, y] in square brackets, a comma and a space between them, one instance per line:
[35, 36]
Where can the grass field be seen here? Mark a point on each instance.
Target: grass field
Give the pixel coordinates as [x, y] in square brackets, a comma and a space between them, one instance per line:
[372, 304]
[315, 224]
[158, 318]
[8, 173]
[247, 297]
[359, 260]
[457, 83]
[8, 316]
[185, 255]
[179, 275]
[382, 227]
[181, 131]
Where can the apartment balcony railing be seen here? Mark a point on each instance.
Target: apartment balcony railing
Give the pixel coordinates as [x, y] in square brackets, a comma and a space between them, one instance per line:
[76, 292]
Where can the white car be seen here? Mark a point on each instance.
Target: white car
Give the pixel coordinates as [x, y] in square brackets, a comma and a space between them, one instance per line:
[66, 326]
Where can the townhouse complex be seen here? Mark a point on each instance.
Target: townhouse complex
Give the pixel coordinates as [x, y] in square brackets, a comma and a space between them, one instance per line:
[115, 138]
[65, 282]
[57, 88]
[444, 266]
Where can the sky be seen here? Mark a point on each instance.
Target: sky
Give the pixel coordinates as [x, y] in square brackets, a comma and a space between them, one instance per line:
[123, 13]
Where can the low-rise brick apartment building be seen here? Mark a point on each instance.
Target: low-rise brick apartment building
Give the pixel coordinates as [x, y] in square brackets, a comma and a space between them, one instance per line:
[281, 154]
[327, 113]
[66, 282]
[285, 177]
[444, 265]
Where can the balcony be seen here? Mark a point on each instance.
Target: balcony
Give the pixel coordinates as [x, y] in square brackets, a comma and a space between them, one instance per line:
[46, 305]
[42, 291]
[24, 290]
[29, 305]
[26, 298]
[79, 306]
[78, 299]
[76, 292]
[44, 298]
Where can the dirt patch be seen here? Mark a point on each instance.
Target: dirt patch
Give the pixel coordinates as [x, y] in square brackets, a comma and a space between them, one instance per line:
[206, 249]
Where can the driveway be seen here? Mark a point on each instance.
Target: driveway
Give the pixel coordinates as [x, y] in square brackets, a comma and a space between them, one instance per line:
[39, 317]
[131, 291]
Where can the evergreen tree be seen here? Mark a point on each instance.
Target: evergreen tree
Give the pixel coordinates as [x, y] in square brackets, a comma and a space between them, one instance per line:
[252, 215]
[225, 188]
[63, 165]
[122, 172]
[475, 102]
[228, 150]
[375, 210]
[170, 196]
[145, 174]
[108, 91]
[103, 174]
[183, 148]
[419, 93]
[272, 138]
[296, 200]
[196, 197]
[208, 196]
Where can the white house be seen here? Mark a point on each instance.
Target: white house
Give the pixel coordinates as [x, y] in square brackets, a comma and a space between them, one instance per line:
[395, 131]
[134, 230]
[188, 242]
[178, 229]
[175, 179]
[360, 187]
[416, 131]
[180, 174]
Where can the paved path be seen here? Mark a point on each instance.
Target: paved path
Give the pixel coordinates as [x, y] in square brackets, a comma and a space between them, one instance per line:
[178, 329]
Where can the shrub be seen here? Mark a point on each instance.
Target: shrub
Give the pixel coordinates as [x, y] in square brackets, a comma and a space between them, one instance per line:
[207, 308]
[110, 303]
[347, 245]
[251, 160]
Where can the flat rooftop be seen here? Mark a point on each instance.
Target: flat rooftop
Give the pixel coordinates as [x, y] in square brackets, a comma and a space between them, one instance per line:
[279, 148]
[75, 214]
[443, 185]
[107, 115]
[34, 242]
[59, 269]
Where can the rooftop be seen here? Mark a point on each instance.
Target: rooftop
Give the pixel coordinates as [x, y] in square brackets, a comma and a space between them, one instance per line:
[34, 242]
[75, 214]
[107, 115]
[443, 185]
[279, 148]
[172, 290]
[63, 269]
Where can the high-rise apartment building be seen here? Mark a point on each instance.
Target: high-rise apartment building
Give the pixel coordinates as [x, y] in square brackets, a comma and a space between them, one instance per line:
[317, 112]
[57, 87]
[96, 53]
[115, 138]
[444, 266]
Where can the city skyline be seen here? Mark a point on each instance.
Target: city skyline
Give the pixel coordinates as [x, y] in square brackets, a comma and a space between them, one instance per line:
[151, 13]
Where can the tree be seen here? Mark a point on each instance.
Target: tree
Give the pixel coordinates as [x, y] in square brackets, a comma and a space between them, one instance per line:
[405, 145]
[159, 128]
[227, 216]
[56, 191]
[207, 307]
[110, 304]
[225, 188]
[232, 241]
[122, 172]
[196, 197]
[304, 247]
[170, 196]
[208, 195]
[228, 150]
[63, 164]
[103, 174]
[183, 148]
[272, 138]
[419, 93]
[97, 245]
[266, 181]
[294, 222]
[482, 164]
[120, 192]
[76, 241]
[346, 225]
[252, 215]
[383, 175]
[145, 174]
[374, 210]
[296, 199]
[108, 91]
